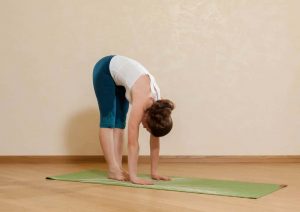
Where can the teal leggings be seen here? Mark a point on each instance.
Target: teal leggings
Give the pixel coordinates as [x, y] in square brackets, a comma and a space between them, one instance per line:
[113, 105]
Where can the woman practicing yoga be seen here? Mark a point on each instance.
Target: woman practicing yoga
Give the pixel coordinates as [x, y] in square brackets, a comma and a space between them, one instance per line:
[118, 81]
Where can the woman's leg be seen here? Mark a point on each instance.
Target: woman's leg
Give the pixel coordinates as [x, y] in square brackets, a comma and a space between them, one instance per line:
[122, 106]
[118, 135]
[106, 137]
[118, 149]
[105, 90]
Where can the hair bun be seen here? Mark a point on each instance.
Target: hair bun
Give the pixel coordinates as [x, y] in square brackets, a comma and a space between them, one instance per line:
[161, 108]
[165, 103]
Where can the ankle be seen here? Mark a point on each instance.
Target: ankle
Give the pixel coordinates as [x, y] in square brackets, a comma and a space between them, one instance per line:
[114, 169]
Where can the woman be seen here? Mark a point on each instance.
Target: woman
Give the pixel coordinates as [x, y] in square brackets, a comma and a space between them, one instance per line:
[118, 81]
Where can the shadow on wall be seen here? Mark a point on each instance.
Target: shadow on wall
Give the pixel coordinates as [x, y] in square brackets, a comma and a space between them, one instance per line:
[81, 133]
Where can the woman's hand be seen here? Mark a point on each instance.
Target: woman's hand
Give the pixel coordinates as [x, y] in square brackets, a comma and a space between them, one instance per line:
[158, 177]
[141, 181]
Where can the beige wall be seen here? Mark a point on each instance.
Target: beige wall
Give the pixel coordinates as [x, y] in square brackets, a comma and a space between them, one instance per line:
[231, 66]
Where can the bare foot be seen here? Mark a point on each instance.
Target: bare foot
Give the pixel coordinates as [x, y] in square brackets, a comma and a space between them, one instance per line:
[116, 175]
[125, 174]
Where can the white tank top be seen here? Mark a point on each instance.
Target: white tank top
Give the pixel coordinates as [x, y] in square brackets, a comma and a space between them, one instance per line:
[125, 71]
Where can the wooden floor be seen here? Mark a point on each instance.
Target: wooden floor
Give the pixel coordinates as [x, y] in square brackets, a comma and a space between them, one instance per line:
[23, 188]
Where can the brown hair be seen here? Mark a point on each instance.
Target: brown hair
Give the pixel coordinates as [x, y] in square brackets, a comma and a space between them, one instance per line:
[159, 117]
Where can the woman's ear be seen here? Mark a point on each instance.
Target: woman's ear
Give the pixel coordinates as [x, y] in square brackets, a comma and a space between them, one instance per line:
[144, 118]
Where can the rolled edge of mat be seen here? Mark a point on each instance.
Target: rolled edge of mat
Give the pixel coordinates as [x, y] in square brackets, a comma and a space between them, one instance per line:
[49, 178]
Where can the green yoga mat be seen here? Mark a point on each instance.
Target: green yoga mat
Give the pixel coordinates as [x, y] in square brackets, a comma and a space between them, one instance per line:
[181, 184]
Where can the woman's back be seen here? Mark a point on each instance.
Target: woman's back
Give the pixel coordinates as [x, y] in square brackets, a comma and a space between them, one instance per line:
[126, 72]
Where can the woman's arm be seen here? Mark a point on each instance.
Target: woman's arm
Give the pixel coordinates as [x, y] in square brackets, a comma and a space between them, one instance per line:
[133, 149]
[154, 154]
[134, 121]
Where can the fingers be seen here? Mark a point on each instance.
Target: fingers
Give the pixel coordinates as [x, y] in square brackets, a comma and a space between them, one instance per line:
[142, 181]
[160, 178]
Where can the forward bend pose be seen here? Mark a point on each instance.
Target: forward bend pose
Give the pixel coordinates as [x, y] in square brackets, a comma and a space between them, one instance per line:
[119, 81]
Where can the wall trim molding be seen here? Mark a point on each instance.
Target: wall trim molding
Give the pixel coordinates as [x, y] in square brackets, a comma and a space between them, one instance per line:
[146, 159]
